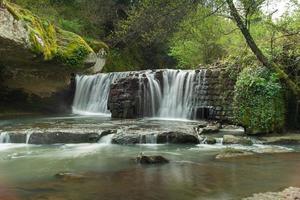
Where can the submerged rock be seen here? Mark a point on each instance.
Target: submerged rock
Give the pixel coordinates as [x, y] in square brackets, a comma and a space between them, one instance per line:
[291, 193]
[287, 139]
[231, 139]
[232, 153]
[142, 159]
[69, 176]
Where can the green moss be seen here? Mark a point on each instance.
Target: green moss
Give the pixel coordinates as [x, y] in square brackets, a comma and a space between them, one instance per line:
[50, 41]
[72, 49]
[259, 102]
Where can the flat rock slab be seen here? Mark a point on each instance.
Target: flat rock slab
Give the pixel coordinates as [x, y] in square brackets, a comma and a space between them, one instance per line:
[291, 193]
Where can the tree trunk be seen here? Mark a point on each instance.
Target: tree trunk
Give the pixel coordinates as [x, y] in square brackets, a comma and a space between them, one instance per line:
[258, 53]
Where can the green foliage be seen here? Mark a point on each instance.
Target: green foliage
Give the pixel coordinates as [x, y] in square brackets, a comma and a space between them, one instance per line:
[126, 60]
[258, 102]
[199, 39]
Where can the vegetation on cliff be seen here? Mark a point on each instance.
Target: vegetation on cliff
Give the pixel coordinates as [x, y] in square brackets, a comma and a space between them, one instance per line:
[53, 42]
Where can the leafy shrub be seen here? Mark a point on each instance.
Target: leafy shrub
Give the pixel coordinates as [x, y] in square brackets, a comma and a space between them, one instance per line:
[258, 102]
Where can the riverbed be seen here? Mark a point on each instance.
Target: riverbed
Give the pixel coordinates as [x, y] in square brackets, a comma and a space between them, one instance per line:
[108, 172]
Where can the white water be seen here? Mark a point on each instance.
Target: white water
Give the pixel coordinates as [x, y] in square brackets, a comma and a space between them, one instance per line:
[28, 134]
[106, 139]
[4, 137]
[152, 95]
[92, 92]
[178, 101]
[148, 138]
[173, 98]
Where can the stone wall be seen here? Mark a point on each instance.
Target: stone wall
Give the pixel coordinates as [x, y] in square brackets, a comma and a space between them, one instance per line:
[213, 99]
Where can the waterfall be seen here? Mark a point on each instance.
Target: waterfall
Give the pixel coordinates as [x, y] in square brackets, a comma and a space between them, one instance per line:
[162, 93]
[4, 137]
[178, 99]
[151, 95]
[92, 92]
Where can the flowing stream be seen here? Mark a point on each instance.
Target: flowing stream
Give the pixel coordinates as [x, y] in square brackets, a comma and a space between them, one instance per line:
[106, 171]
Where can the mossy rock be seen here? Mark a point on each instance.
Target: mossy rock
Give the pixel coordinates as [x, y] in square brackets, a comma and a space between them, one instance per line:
[51, 42]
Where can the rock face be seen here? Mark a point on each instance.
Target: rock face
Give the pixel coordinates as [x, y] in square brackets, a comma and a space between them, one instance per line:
[37, 61]
[124, 98]
[151, 160]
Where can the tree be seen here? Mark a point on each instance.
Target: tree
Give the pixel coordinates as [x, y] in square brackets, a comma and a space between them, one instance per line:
[258, 53]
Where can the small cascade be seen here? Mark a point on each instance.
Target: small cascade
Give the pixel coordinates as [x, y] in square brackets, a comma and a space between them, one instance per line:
[92, 92]
[148, 138]
[219, 141]
[106, 139]
[4, 137]
[178, 100]
[28, 134]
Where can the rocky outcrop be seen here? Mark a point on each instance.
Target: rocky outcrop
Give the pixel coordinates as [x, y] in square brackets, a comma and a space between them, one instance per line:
[37, 60]
[124, 98]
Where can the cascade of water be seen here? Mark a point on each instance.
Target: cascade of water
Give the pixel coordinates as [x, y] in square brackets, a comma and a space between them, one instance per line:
[28, 134]
[4, 137]
[92, 92]
[106, 139]
[148, 138]
[151, 95]
[178, 99]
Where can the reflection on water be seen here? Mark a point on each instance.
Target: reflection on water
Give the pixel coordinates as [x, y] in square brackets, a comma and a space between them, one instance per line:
[110, 171]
